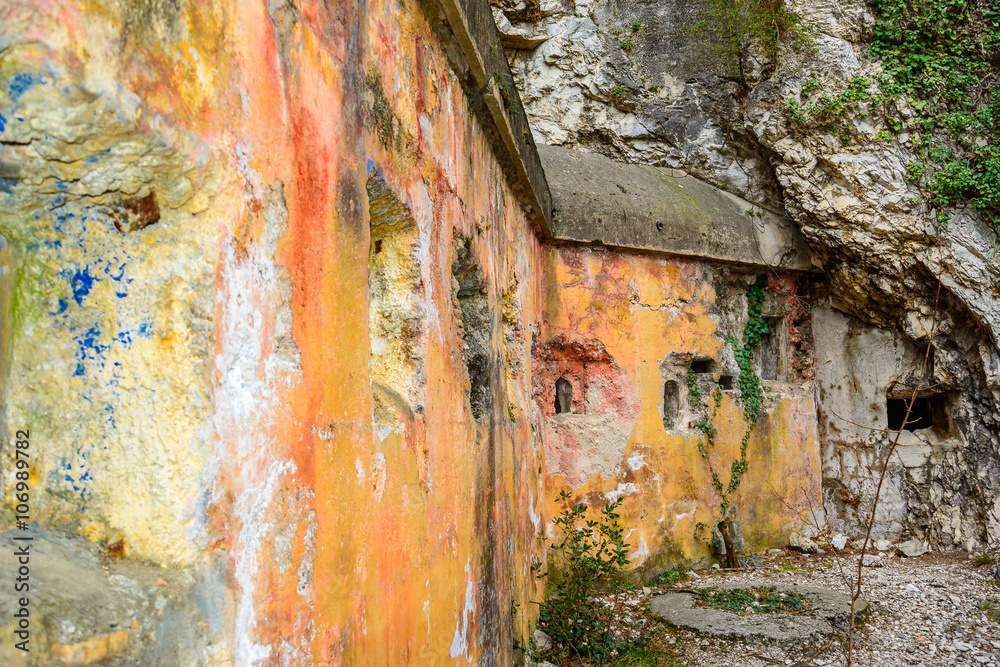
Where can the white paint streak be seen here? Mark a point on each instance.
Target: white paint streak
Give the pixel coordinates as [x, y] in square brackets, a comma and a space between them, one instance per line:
[622, 490]
[636, 461]
[535, 519]
[459, 645]
[640, 553]
[422, 209]
[379, 476]
[247, 400]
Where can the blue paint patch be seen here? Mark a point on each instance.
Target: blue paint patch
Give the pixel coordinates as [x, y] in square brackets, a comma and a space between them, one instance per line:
[372, 167]
[3, 123]
[20, 83]
[60, 221]
[121, 272]
[63, 305]
[82, 283]
[61, 185]
[89, 349]
[6, 185]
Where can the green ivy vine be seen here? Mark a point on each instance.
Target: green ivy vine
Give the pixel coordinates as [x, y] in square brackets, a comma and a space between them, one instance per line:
[940, 64]
[751, 398]
[737, 25]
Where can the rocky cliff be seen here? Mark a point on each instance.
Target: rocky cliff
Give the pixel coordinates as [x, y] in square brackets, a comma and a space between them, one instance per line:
[647, 82]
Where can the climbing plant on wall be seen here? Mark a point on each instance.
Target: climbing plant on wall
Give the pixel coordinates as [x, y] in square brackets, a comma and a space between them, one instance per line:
[739, 26]
[937, 90]
[751, 398]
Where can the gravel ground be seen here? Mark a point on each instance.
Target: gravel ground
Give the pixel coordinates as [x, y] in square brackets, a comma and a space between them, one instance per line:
[932, 610]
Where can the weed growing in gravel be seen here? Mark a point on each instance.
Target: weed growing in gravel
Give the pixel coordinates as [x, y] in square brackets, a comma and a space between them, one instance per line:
[672, 576]
[984, 559]
[755, 600]
[992, 609]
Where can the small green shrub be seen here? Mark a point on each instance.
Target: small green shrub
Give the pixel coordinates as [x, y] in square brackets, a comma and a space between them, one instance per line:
[589, 554]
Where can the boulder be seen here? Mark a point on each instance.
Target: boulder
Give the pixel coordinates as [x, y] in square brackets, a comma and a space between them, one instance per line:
[802, 543]
[912, 548]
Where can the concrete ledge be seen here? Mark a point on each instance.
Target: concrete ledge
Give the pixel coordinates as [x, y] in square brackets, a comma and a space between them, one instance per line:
[596, 199]
[472, 24]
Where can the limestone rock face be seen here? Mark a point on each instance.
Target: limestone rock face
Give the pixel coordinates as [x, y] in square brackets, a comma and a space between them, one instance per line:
[637, 82]
[628, 79]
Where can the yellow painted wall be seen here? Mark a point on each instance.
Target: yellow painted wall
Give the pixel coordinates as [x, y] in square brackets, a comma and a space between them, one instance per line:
[612, 319]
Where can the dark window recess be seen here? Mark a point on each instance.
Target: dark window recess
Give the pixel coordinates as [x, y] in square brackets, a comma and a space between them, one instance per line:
[671, 404]
[728, 382]
[770, 350]
[477, 326]
[564, 396]
[703, 366]
[926, 412]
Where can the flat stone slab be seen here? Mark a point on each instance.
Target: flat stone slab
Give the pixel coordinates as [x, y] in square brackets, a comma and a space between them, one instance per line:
[824, 612]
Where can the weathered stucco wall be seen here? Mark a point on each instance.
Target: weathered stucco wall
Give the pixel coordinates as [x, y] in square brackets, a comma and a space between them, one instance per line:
[202, 392]
[619, 326]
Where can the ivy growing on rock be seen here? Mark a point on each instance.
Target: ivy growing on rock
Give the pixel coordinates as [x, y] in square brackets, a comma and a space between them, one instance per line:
[739, 26]
[940, 60]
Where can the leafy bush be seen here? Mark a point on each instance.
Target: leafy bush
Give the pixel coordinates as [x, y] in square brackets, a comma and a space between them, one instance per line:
[589, 553]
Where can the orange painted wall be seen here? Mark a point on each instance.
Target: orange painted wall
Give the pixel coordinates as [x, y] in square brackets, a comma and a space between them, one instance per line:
[611, 319]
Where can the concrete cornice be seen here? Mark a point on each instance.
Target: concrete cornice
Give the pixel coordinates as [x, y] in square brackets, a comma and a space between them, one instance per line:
[472, 24]
[598, 200]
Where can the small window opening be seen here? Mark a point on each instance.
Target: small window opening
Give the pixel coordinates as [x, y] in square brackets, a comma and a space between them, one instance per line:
[564, 396]
[922, 415]
[671, 404]
[728, 382]
[770, 350]
[703, 366]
